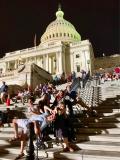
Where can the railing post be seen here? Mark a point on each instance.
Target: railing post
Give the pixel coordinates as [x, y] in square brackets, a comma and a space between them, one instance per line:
[30, 147]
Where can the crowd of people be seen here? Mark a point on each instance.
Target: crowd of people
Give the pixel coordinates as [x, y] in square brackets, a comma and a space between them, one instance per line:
[53, 112]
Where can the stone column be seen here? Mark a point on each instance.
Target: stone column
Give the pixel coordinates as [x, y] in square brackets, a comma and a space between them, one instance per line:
[72, 61]
[36, 60]
[47, 63]
[27, 60]
[63, 61]
[16, 64]
[40, 62]
[84, 60]
[44, 62]
[60, 63]
[57, 63]
[50, 65]
[7, 66]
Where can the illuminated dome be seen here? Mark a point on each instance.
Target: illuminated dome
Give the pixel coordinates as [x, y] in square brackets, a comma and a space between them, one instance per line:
[60, 29]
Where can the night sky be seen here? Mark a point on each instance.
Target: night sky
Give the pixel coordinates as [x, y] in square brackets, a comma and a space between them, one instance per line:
[96, 20]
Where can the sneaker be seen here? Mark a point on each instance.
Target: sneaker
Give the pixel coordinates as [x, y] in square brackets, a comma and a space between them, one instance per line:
[19, 156]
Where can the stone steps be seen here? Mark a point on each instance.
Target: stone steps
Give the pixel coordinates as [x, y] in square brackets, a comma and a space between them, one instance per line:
[109, 114]
[98, 124]
[107, 107]
[10, 152]
[111, 119]
[104, 125]
[88, 155]
[105, 137]
[99, 145]
[11, 156]
[7, 149]
[98, 137]
[101, 130]
[106, 110]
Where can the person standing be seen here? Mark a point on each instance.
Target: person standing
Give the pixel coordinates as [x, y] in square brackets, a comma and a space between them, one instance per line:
[4, 92]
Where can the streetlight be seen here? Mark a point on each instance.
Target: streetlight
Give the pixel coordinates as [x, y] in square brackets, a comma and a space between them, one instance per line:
[103, 54]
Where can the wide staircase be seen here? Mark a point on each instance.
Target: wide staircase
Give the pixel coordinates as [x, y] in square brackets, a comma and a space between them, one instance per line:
[98, 133]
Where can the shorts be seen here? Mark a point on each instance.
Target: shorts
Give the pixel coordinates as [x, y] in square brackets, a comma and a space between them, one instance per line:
[41, 119]
[24, 124]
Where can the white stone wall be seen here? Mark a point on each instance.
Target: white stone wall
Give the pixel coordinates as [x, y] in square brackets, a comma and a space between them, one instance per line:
[81, 56]
[107, 62]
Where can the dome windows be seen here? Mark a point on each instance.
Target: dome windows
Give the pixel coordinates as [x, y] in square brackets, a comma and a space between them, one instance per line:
[61, 29]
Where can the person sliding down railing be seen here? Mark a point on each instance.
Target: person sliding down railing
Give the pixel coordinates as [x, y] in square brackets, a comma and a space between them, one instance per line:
[21, 136]
[39, 122]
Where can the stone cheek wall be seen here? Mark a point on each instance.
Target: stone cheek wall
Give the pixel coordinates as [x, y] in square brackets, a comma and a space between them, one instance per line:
[106, 62]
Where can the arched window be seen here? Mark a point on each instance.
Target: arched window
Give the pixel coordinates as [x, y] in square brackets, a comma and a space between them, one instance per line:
[56, 34]
[53, 35]
[64, 34]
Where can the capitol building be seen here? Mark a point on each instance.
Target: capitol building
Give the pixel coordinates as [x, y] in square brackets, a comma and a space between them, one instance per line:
[60, 50]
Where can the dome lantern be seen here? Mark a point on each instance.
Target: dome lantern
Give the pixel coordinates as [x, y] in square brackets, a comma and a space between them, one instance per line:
[59, 13]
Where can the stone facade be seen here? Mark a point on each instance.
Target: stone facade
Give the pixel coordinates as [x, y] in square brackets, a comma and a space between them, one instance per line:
[107, 62]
